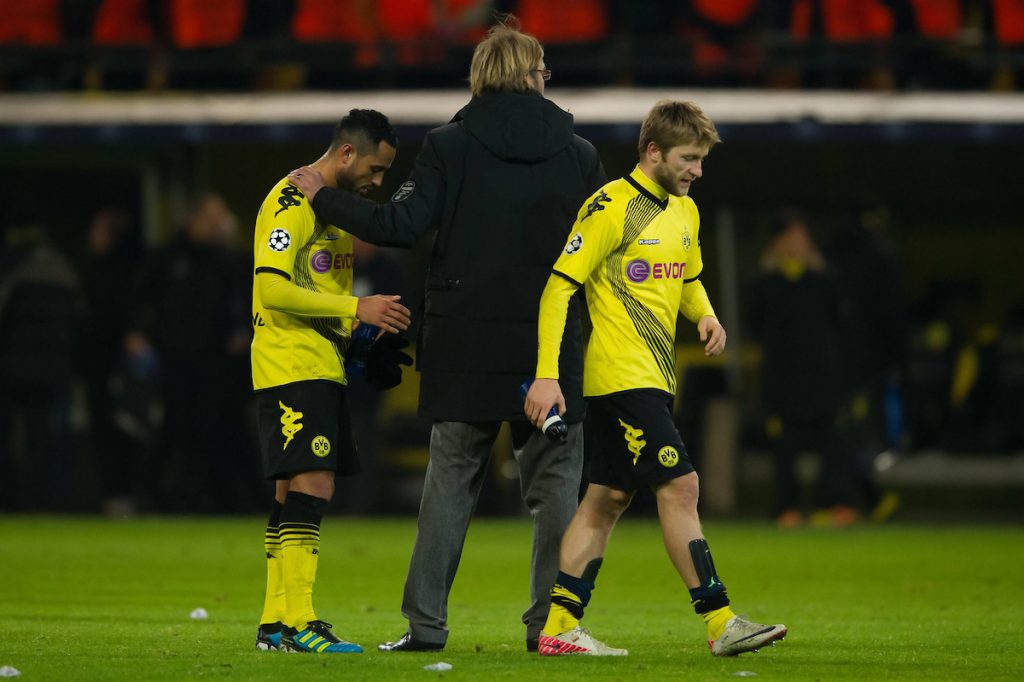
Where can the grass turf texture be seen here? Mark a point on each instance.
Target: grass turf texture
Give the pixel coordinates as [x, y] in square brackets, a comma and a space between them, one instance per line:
[87, 599]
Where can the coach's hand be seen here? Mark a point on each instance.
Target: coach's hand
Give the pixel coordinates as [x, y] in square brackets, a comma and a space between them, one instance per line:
[308, 180]
[384, 311]
[711, 331]
[542, 395]
[384, 361]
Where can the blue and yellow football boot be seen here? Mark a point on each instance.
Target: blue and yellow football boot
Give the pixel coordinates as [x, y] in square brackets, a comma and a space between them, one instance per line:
[317, 638]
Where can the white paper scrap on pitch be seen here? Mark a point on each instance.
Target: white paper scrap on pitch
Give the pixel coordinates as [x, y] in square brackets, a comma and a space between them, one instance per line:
[9, 671]
[199, 614]
[440, 666]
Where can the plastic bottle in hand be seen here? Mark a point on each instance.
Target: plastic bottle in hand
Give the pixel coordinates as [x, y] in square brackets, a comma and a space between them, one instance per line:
[355, 359]
[554, 427]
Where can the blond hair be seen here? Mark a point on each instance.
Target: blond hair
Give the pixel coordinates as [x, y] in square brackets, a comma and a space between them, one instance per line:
[672, 124]
[502, 61]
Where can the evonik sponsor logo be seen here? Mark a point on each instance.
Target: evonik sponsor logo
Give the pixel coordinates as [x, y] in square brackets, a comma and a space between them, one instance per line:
[640, 270]
[323, 260]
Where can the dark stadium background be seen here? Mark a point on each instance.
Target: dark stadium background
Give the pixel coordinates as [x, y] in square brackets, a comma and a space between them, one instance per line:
[949, 190]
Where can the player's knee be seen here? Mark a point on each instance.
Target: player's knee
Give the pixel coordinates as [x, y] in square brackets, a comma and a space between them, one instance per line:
[316, 483]
[616, 502]
[681, 492]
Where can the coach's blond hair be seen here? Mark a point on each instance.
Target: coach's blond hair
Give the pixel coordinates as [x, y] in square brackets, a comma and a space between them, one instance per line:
[672, 124]
[503, 60]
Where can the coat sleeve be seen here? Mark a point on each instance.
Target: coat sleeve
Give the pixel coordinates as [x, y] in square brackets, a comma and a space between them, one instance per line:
[412, 210]
[590, 163]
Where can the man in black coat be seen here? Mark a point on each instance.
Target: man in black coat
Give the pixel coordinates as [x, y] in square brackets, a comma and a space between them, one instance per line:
[502, 183]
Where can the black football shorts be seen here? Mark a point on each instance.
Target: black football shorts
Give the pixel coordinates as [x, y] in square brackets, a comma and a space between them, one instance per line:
[305, 426]
[633, 440]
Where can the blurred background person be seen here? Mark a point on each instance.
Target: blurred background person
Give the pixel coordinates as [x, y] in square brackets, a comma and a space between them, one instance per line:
[794, 313]
[41, 310]
[869, 277]
[111, 261]
[192, 318]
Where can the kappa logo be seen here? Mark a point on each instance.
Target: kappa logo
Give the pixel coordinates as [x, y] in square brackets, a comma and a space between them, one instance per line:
[289, 197]
[595, 205]
[279, 240]
[403, 192]
[574, 245]
[289, 423]
[633, 442]
[648, 242]
[686, 240]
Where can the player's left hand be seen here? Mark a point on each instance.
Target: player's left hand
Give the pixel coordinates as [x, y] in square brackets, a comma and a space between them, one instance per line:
[385, 359]
[712, 334]
[308, 180]
[542, 396]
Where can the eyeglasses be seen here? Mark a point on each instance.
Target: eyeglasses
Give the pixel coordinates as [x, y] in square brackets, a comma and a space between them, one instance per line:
[545, 74]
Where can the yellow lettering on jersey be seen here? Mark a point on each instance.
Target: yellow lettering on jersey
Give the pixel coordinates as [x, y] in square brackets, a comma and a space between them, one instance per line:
[633, 442]
[289, 423]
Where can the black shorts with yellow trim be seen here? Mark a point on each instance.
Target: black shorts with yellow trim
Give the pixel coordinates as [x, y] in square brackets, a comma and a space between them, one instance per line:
[633, 440]
[305, 426]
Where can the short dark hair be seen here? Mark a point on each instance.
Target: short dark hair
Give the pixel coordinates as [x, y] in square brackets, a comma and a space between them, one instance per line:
[364, 129]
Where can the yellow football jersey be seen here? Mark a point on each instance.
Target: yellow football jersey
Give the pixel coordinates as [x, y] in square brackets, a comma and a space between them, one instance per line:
[291, 243]
[636, 250]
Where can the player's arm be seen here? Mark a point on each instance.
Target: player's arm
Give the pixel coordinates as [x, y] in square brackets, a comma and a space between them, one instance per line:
[412, 210]
[277, 292]
[592, 238]
[694, 303]
[695, 306]
[545, 391]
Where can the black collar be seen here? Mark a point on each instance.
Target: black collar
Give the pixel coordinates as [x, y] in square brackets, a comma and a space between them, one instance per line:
[660, 203]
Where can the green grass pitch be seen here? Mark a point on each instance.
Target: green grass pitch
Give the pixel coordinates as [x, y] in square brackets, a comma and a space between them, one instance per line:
[89, 599]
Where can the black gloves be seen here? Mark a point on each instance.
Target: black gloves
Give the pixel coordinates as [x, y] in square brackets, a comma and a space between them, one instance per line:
[384, 361]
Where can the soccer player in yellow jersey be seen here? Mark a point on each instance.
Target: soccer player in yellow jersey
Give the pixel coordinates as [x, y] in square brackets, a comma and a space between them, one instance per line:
[635, 248]
[303, 313]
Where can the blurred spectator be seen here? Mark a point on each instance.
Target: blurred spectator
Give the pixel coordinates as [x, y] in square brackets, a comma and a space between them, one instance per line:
[871, 288]
[1009, 411]
[794, 314]
[193, 313]
[110, 263]
[40, 312]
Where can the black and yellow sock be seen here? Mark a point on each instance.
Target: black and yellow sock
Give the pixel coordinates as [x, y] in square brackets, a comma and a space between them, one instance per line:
[710, 599]
[569, 597]
[299, 532]
[273, 602]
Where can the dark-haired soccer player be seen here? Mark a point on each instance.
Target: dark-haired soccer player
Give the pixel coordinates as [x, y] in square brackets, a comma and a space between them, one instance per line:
[635, 249]
[303, 312]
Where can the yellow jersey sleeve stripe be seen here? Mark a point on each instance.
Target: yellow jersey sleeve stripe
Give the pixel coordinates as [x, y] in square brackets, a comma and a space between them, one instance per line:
[274, 271]
[554, 307]
[567, 278]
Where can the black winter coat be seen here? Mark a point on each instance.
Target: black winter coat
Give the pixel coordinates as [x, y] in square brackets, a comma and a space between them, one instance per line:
[502, 183]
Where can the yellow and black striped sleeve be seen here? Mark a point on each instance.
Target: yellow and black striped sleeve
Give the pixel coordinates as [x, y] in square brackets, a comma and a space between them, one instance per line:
[594, 235]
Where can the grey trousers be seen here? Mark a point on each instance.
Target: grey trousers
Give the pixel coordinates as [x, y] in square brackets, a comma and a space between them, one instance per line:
[459, 452]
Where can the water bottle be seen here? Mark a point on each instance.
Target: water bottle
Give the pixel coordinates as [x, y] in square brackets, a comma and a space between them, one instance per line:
[554, 427]
[362, 338]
